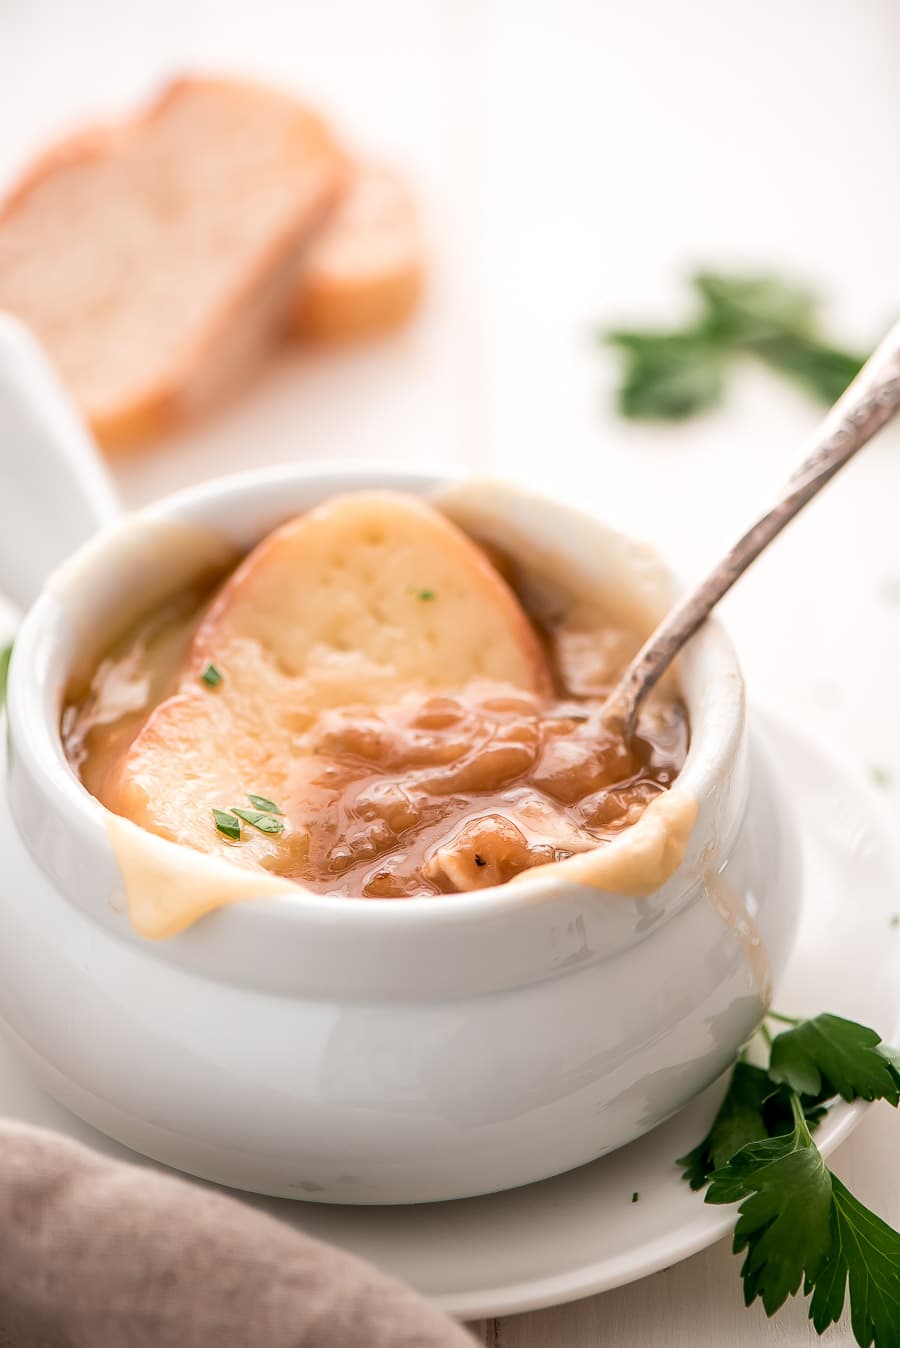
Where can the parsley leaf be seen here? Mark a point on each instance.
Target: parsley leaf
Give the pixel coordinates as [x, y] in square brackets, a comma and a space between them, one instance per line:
[823, 370]
[784, 1221]
[668, 375]
[835, 1056]
[892, 1054]
[211, 676]
[865, 1249]
[266, 823]
[5, 657]
[261, 803]
[227, 824]
[740, 1120]
[748, 309]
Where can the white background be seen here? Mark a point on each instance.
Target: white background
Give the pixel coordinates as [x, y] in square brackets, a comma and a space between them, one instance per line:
[574, 160]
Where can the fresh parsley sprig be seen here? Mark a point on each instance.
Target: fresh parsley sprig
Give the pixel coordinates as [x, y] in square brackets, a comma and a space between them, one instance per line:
[798, 1225]
[672, 374]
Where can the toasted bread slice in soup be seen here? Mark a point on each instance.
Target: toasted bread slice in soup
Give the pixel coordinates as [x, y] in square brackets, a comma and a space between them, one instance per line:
[364, 271]
[156, 259]
[365, 600]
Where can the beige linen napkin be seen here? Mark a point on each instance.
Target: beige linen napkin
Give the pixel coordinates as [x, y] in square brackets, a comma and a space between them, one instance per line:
[97, 1254]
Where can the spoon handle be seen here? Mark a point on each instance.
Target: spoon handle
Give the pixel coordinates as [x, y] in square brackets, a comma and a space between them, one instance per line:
[869, 402]
[54, 488]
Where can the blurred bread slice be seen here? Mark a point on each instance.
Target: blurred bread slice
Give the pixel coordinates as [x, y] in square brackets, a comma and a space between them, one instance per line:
[364, 600]
[364, 273]
[156, 259]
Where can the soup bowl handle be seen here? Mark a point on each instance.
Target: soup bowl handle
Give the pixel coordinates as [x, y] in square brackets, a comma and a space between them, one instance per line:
[55, 491]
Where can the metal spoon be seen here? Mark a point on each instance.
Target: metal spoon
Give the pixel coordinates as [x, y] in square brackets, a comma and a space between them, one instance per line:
[870, 401]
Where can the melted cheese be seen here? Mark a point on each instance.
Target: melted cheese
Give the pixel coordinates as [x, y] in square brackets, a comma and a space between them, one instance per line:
[169, 887]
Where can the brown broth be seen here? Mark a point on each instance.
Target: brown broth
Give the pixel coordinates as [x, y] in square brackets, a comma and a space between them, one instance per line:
[140, 670]
[436, 794]
[456, 793]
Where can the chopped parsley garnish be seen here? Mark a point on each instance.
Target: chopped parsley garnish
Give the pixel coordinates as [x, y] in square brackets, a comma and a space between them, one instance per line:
[260, 803]
[211, 676]
[427, 594]
[266, 823]
[227, 824]
[635, 1196]
[798, 1225]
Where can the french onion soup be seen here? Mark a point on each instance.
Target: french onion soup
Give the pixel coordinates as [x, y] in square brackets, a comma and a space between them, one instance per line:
[371, 704]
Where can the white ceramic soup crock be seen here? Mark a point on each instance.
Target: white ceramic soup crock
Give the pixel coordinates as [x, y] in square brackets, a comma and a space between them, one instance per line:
[379, 1051]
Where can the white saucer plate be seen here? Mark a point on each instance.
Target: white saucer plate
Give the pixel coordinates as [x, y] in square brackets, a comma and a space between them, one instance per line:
[584, 1232]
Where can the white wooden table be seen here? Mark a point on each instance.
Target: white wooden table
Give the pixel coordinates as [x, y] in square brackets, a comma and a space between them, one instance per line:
[574, 157]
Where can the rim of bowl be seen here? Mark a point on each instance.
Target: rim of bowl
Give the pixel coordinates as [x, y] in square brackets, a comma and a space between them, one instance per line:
[716, 714]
